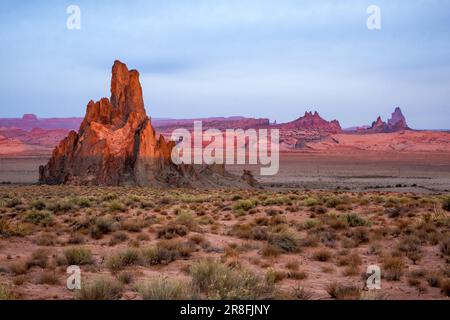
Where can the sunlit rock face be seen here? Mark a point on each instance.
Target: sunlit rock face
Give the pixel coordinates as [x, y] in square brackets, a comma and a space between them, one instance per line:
[117, 145]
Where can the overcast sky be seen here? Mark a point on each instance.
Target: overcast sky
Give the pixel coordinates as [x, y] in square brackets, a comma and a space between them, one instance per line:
[255, 58]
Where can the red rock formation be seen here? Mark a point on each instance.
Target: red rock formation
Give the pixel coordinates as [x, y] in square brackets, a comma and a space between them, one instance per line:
[397, 122]
[312, 121]
[117, 145]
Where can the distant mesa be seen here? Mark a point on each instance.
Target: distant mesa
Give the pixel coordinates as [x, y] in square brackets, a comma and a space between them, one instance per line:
[312, 121]
[117, 145]
[29, 117]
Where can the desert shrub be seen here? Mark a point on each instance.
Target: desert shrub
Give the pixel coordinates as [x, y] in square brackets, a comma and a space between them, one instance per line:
[46, 239]
[102, 225]
[18, 267]
[393, 268]
[126, 277]
[286, 240]
[354, 220]
[187, 219]
[116, 206]
[352, 260]
[118, 237]
[434, 279]
[166, 251]
[277, 201]
[123, 259]
[335, 201]
[274, 276]
[360, 235]
[48, 277]
[78, 256]
[38, 205]
[270, 251]
[76, 238]
[445, 247]
[311, 201]
[37, 217]
[172, 230]
[225, 283]
[133, 225]
[100, 288]
[343, 292]
[300, 293]
[5, 293]
[14, 202]
[445, 287]
[292, 265]
[243, 206]
[163, 289]
[38, 258]
[446, 203]
[248, 231]
[322, 255]
[411, 246]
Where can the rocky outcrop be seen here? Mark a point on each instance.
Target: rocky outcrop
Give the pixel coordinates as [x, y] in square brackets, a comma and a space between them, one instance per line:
[397, 122]
[312, 121]
[117, 145]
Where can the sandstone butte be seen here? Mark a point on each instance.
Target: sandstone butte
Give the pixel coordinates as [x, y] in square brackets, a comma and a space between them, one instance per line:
[117, 145]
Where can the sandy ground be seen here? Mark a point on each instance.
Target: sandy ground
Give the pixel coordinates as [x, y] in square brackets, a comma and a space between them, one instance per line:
[361, 170]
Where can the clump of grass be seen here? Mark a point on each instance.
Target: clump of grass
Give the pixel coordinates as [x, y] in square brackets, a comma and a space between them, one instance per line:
[354, 220]
[287, 240]
[116, 206]
[268, 251]
[166, 251]
[322, 255]
[18, 267]
[219, 281]
[393, 268]
[14, 202]
[445, 287]
[118, 237]
[274, 276]
[39, 258]
[102, 225]
[172, 230]
[343, 292]
[187, 219]
[100, 288]
[38, 204]
[301, 293]
[445, 247]
[163, 289]
[446, 203]
[243, 206]
[133, 225]
[78, 256]
[6, 294]
[48, 277]
[37, 217]
[123, 259]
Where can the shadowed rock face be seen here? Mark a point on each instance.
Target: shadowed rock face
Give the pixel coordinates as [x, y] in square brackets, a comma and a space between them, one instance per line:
[117, 145]
[397, 122]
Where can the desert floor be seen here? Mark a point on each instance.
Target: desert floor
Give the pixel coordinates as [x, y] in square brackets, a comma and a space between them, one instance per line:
[422, 172]
[138, 243]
